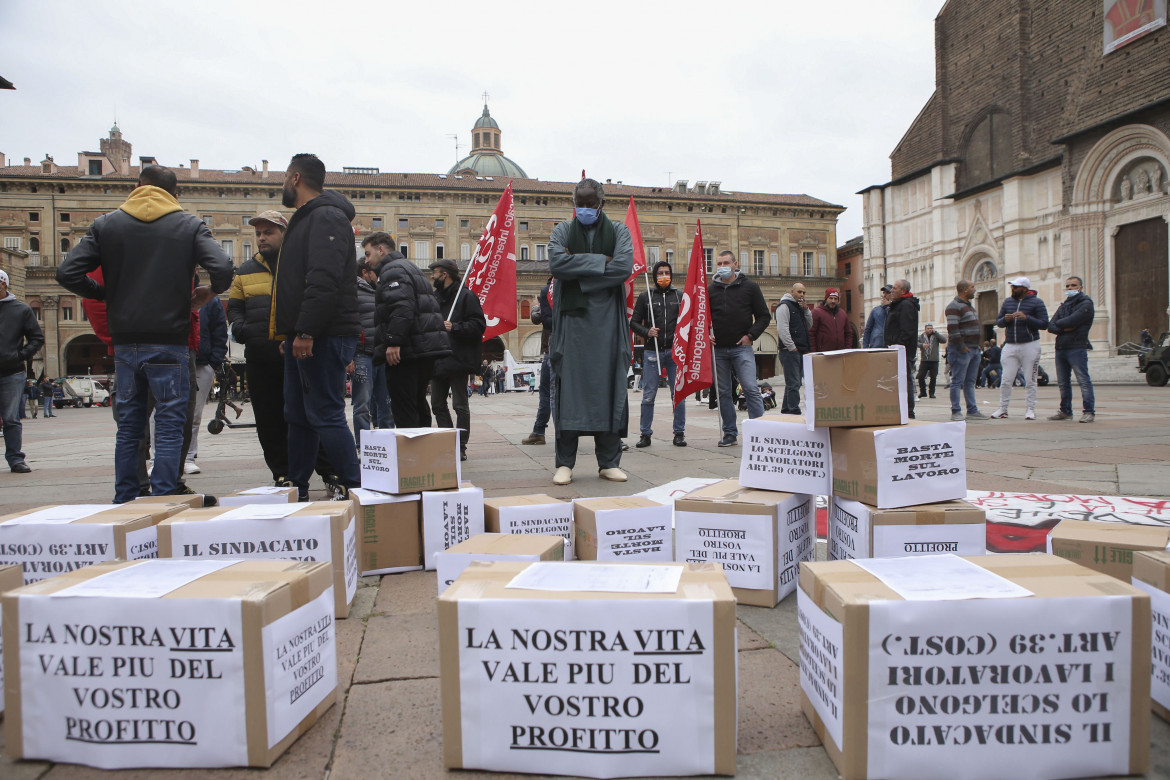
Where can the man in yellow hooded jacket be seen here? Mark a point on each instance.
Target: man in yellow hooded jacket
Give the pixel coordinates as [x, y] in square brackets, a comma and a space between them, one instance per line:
[148, 250]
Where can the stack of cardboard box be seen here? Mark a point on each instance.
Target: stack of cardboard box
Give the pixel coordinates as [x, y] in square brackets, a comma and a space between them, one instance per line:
[411, 504]
[897, 484]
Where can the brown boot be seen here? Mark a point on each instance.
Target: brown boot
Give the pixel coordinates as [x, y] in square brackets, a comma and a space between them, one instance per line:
[533, 438]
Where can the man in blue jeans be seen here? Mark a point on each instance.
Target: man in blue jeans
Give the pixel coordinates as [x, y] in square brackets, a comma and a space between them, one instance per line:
[963, 331]
[20, 339]
[739, 316]
[654, 319]
[1071, 324]
[315, 311]
[148, 251]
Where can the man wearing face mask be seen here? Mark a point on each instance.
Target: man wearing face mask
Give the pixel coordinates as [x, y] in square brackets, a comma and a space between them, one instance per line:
[590, 258]
[1071, 323]
[1022, 316]
[739, 316]
[874, 336]
[655, 316]
[465, 326]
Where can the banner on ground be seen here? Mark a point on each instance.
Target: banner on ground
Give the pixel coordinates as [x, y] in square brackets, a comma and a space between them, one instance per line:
[1020, 522]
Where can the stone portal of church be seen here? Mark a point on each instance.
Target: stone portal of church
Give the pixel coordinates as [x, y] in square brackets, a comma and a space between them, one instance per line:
[1141, 279]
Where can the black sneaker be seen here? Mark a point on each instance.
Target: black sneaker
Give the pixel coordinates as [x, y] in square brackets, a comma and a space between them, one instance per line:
[20, 468]
[338, 493]
[728, 440]
[680, 440]
[643, 441]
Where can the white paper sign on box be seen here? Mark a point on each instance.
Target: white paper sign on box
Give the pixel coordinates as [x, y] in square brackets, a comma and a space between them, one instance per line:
[623, 528]
[976, 690]
[300, 661]
[745, 545]
[556, 519]
[780, 453]
[409, 460]
[448, 518]
[174, 702]
[1160, 643]
[899, 466]
[45, 551]
[857, 530]
[822, 664]
[514, 723]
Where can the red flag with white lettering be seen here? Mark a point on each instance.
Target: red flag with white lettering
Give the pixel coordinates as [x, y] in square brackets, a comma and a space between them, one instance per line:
[639, 261]
[491, 275]
[692, 335]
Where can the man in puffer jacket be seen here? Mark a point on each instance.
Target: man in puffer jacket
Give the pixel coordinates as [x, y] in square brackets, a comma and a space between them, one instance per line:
[371, 402]
[465, 325]
[409, 334]
[1071, 323]
[315, 309]
[902, 328]
[1022, 316]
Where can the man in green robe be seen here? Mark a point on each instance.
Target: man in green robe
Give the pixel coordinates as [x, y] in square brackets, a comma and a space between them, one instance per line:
[590, 258]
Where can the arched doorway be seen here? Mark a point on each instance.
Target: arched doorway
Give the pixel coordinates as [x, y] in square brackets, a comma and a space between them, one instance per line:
[1141, 277]
[985, 276]
[86, 355]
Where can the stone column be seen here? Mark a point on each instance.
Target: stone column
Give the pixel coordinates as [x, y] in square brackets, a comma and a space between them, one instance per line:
[50, 311]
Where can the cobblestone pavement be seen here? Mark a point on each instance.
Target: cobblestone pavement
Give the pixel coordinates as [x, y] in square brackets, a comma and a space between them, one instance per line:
[387, 722]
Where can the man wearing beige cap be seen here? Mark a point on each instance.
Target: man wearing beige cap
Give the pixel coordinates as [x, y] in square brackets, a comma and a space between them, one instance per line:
[1023, 317]
[249, 309]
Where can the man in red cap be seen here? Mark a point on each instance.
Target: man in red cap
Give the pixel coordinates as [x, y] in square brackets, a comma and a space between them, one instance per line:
[830, 328]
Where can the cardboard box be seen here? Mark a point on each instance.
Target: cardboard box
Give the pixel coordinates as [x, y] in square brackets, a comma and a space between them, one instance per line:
[535, 514]
[1106, 547]
[51, 540]
[448, 518]
[891, 467]
[630, 528]
[1052, 685]
[527, 675]
[266, 494]
[11, 578]
[389, 536]
[1151, 574]
[851, 388]
[857, 530]
[189, 500]
[409, 460]
[781, 453]
[484, 548]
[758, 536]
[324, 531]
[169, 663]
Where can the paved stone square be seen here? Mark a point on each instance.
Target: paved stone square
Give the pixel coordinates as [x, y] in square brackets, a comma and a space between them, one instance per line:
[387, 722]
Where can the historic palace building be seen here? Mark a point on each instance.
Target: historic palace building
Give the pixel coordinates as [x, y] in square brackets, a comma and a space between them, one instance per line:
[46, 207]
[1043, 152]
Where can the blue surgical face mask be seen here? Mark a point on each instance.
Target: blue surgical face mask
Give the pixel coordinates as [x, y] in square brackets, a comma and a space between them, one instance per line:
[1071, 293]
[723, 273]
[587, 216]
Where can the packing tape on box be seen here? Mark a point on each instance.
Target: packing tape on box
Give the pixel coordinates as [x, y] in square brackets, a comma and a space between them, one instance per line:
[887, 383]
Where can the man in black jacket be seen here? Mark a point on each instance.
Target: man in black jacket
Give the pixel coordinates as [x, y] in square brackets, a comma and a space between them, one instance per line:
[465, 326]
[410, 334]
[315, 311]
[371, 402]
[739, 316]
[902, 328]
[654, 319]
[148, 251]
[20, 339]
[1071, 323]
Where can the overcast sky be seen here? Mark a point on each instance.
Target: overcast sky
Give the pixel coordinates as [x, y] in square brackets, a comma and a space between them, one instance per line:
[779, 97]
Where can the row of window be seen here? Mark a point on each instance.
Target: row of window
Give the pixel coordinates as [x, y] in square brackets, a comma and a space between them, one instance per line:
[35, 216]
[66, 312]
[34, 243]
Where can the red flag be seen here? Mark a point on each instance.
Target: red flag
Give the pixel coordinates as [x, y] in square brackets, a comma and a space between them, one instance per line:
[491, 275]
[639, 261]
[692, 335]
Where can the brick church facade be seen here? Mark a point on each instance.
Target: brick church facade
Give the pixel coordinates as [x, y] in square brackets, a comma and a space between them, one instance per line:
[1043, 152]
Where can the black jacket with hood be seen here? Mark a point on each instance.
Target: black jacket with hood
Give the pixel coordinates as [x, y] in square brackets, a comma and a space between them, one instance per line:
[665, 305]
[148, 251]
[466, 335]
[366, 310]
[407, 313]
[20, 335]
[902, 324]
[1072, 321]
[316, 274]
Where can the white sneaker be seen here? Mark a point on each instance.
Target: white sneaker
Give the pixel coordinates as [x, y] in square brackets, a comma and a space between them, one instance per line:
[1030, 415]
[999, 414]
[149, 467]
[190, 467]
